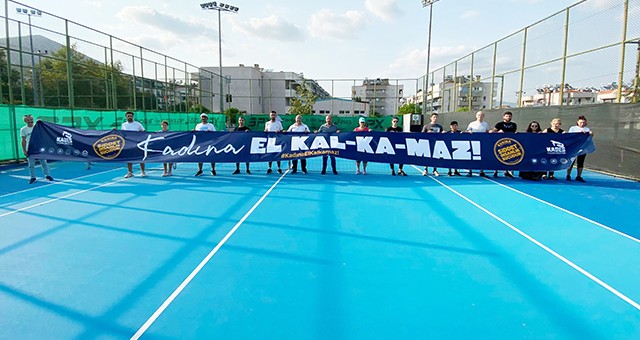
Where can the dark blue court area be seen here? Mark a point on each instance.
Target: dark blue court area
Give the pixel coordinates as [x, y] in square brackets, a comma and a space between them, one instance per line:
[94, 255]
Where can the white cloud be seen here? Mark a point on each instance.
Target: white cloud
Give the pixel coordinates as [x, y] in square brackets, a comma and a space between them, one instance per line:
[326, 23]
[272, 27]
[469, 14]
[146, 15]
[386, 10]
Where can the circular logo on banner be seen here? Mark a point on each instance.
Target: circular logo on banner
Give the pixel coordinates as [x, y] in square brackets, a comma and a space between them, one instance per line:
[109, 147]
[508, 151]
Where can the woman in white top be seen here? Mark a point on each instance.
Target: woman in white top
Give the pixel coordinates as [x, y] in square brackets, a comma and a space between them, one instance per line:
[580, 127]
[299, 127]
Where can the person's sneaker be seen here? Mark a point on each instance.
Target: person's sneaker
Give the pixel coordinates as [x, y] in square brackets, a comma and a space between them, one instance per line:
[424, 173]
[402, 173]
[248, 172]
[495, 174]
[393, 173]
[568, 177]
[323, 172]
[164, 174]
[269, 171]
[198, 173]
[469, 174]
[335, 172]
[456, 173]
[294, 171]
[279, 170]
[237, 172]
[169, 173]
[49, 178]
[128, 175]
[364, 172]
[580, 179]
[32, 180]
[143, 174]
[213, 172]
[482, 174]
[358, 172]
[508, 174]
[436, 173]
[304, 172]
[449, 173]
[553, 178]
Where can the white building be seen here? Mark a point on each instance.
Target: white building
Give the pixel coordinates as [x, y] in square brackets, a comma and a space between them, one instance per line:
[453, 94]
[380, 96]
[569, 97]
[253, 89]
[340, 107]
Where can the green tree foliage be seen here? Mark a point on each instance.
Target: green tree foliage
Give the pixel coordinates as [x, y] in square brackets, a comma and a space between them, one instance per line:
[95, 85]
[409, 108]
[305, 98]
[463, 109]
[4, 80]
[232, 114]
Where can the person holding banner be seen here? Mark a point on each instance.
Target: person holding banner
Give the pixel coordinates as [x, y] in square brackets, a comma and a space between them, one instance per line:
[25, 133]
[432, 127]
[478, 125]
[241, 128]
[506, 125]
[362, 127]
[395, 128]
[299, 127]
[132, 125]
[554, 128]
[328, 127]
[273, 125]
[580, 127]
[453, 126]
[167, 167]
[204, 125]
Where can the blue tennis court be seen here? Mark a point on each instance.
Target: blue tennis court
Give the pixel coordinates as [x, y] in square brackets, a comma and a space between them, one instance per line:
[95, 255]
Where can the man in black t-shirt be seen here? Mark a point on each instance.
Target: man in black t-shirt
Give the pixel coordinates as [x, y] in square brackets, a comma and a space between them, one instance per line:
[395, 128]
[432, 127]
[506, 125]
[241, 128]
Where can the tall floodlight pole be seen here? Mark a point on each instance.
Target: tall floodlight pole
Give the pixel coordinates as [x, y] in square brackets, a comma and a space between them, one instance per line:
[31, 12]
[428, 3]
[220, 7]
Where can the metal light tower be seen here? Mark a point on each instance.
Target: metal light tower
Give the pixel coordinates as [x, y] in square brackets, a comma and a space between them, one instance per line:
[220, 7]
[31, 12]
[428, 3]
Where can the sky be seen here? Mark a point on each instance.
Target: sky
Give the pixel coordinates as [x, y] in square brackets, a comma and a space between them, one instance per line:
[330, 39]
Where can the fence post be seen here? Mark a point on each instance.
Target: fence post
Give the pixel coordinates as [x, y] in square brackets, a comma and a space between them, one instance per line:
[524, 53]
[564, 59]
[623, 48]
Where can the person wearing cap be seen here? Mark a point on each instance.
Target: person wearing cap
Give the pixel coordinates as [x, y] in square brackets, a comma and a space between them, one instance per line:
[328, 127]
[273, 125]
[132, 125]
[395, 128]
[204, 125]
[362, 127]
[299, 127]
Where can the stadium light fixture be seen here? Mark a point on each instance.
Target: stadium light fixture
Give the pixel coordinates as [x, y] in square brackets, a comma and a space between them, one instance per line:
[31, 12]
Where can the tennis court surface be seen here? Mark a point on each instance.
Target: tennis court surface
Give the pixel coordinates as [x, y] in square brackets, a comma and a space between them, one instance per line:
[93, 255]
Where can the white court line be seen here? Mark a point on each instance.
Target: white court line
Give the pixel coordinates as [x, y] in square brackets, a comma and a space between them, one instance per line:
[568, 211]
[61, 197]
[544, 247]
[57, 182]
[204, 261]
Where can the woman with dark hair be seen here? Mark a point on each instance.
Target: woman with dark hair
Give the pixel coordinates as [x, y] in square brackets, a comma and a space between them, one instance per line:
[533, 127]
[580, 127]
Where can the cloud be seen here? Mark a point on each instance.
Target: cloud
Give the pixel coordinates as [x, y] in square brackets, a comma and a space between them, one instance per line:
[469, 14]
[272, 27]
[386, 10]
[146, 15]
[327, 24]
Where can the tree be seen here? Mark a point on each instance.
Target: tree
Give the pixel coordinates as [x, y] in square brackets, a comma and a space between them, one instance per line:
[305, 98]
[4, 80]
[409, 108]
[232, 115]
[463, 109]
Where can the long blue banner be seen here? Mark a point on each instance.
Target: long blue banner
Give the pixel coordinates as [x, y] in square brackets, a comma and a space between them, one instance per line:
[496, 151]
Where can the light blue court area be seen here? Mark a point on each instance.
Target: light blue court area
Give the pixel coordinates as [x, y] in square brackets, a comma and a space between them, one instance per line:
[290, 256]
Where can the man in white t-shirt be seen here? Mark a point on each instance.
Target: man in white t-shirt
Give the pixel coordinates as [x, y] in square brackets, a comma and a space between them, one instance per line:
[132, 125]
[299, 127]
[25, 133]
[478, 125]
[273, 125]
[204, 125]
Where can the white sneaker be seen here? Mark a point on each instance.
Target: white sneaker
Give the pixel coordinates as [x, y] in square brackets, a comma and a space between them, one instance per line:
[142, 174]
[164, 174]
[436, 173]
[358, 172]
[128, 175]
